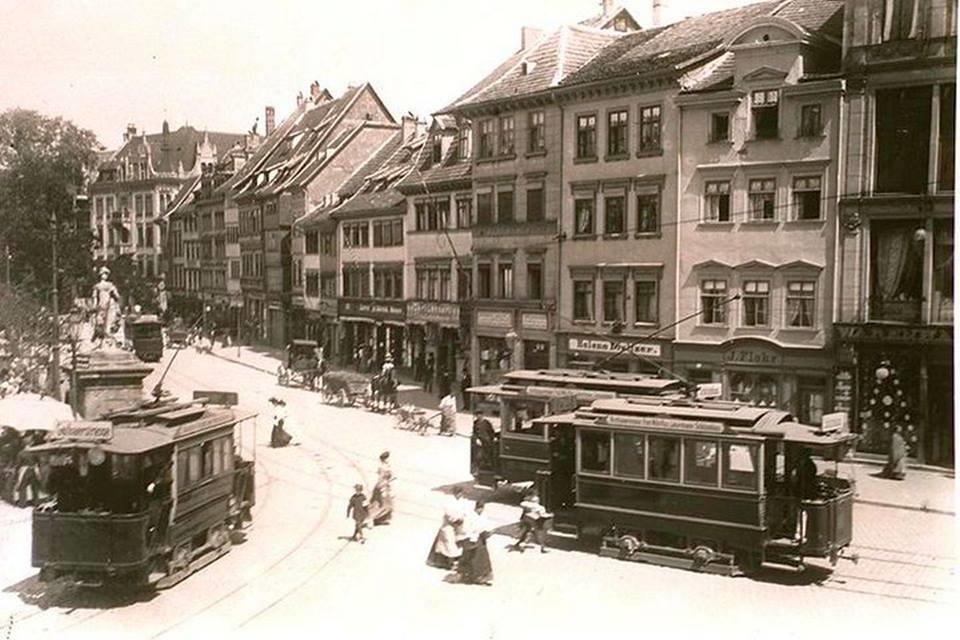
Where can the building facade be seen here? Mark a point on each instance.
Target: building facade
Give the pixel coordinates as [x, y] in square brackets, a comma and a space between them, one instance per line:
[894, 329]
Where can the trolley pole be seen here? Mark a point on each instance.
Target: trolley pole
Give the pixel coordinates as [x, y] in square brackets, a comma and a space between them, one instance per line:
[55, 305]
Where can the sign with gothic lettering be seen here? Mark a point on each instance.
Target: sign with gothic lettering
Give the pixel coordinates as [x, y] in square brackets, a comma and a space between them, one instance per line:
[600, 345]
[906, 334]
[442, 313]
[375, 309]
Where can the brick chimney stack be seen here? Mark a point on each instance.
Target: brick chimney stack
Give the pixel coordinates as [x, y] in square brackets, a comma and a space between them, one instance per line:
[409, 126]
[656, 15]
[529, 37]
[314, 90]
[270, 119]
[130, 133]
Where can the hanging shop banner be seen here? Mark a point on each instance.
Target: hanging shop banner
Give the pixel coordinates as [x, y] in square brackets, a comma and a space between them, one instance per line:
[599, 345]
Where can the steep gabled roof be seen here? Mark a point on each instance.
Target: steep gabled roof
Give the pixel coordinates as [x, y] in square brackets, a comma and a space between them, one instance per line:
[378, 191]
[171, 151]
[605, 19]
[183, 198]
[426, 174]
[538, 68]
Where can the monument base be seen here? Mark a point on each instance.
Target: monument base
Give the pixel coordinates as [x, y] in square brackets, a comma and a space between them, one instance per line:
[107, 379]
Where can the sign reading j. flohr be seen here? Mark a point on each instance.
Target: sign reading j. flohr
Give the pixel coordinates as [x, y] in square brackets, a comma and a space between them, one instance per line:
[609, 346]
[84, 430]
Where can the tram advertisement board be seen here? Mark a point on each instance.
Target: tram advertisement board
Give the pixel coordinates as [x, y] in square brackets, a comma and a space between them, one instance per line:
[84, 430]
[653, 422]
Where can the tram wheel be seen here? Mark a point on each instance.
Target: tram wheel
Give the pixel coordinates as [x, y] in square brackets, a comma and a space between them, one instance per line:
[219, 536]
[702, 555]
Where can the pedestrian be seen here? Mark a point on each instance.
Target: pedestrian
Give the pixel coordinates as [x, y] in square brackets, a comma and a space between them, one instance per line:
[278, 435]
[28, 482]
[474, 566]
[465, 383]
[444, 386]
[381, 499]
[896, 467]
[358, 509]
[428, 370]
[418, 367]
[444, 552]
[448, 415]
[484, 441]
[533, 522]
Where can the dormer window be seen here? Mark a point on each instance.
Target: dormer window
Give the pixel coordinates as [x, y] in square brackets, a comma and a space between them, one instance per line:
[766, 113]
[437, 151]
[620, 24]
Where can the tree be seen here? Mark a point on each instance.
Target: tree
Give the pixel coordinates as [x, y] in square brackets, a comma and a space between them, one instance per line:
[44, 164]
[26, 331]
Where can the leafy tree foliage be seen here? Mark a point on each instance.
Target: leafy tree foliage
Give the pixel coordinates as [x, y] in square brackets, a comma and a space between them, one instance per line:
[44, 164]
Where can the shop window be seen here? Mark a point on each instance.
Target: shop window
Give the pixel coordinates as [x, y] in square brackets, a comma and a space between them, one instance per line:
[763, 197]
[595, 451]
[586, 137]
[485, 280]
[740, 466]
[713, 294]
[945, 163]
[754, 388]
[535, 280]
[650, 129]
[583, 214]
[614, 303]
[806, 197]
[535, 204]
[664, 458]
[902, 139]
[811, 395]
[504, 207]
[614, 216]
[943, 271]
[645, 301]
[810, 121]
[719, 127]
[801, 303]
[896, 271]
[648, 212]
[583, 300]
[756, 303]
[765, 108]
[716, 202]
[617, 133]
[700, 462]
[628, 452]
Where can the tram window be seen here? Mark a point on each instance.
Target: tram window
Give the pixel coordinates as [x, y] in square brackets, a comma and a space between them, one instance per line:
[595, 451]
[217, 456]
[628, 454]
[664, 458]
[523, 424]
[740, 466]
[123, 467]
[183, 469]
[208, 457]
[228, 453]
[701, 462]
[196, 463]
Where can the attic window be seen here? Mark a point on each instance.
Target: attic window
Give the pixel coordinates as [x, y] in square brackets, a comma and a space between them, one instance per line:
[620, 24]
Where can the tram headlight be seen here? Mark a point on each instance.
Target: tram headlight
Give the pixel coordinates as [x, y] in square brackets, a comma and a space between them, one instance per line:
[96, 456]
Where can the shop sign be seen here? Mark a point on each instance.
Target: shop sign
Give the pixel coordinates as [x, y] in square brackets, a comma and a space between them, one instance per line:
[843, 391]
[651, 350]
[891, 333]
[838, 421]
[446, 313]
[372, 309]
[328, 306]
[84, 430]
[535, 321]
[651, 422]
[498, 319]
[752, 356]
[709, 391]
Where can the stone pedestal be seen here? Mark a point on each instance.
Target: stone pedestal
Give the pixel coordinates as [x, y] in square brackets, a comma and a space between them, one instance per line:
[107, 379]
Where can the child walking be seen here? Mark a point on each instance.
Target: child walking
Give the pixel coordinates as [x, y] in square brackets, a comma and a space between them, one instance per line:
[358, 508]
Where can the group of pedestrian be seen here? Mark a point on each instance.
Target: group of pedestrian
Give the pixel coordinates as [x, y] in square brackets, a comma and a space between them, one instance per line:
[378, 510]
[461, 541]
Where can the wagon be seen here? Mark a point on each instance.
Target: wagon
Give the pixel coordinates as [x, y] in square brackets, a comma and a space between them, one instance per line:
[346, 387]
[303, 367]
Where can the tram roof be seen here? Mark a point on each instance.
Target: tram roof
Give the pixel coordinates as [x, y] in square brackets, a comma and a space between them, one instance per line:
[574, 376]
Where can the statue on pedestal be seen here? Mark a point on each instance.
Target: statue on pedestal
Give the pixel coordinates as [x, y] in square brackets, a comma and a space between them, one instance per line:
[106, 301]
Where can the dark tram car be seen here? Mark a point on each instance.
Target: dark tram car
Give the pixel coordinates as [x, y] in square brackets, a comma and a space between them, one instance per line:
[144, 497]
[145, 334]
[712, 486]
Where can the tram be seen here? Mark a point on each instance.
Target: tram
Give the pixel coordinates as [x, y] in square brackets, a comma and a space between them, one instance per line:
[522, 448]
[144, 497]
[145, 334]
[712, 486]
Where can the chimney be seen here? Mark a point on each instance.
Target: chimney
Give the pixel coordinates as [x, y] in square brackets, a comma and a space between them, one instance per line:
[314, 90]
[656, 15]
[529, 37]
[408, 126]
[607, 7]
[300, 100]
[270, 119]
[130, 133]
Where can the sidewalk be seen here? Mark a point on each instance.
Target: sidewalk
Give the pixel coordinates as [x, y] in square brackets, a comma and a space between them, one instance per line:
[927, 489]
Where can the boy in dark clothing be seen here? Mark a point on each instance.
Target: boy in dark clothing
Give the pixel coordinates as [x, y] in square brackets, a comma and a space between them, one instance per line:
[357, 508]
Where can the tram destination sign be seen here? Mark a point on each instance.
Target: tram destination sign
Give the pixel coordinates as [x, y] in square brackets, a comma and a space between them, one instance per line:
[656, 422]
[84, 430]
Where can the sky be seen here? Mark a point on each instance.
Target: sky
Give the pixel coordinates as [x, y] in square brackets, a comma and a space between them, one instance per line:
[215, 64]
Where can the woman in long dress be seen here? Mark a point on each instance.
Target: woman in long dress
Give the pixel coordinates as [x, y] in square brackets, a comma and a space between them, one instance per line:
[444, 552]
[381, 500]
[278, 435]
[474, 566]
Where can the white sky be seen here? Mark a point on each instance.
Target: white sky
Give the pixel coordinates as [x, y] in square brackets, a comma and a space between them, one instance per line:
[216, 63]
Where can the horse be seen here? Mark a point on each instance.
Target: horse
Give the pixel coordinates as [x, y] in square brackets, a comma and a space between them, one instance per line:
[383, 388]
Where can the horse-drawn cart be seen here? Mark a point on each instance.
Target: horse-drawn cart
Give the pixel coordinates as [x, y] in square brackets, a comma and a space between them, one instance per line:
[303, 367]
[346, 388]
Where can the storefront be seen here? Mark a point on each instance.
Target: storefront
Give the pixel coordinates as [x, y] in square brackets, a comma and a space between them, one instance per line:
[762, 373]
[508, 339]
[371, 330]
[321, 325]
[586, 351]
[899, 377]
[433, 331]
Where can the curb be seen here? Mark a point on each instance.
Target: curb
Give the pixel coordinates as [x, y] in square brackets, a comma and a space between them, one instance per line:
[905, 507]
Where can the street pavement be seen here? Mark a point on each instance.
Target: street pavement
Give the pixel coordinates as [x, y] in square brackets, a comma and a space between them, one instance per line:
[297, 574]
